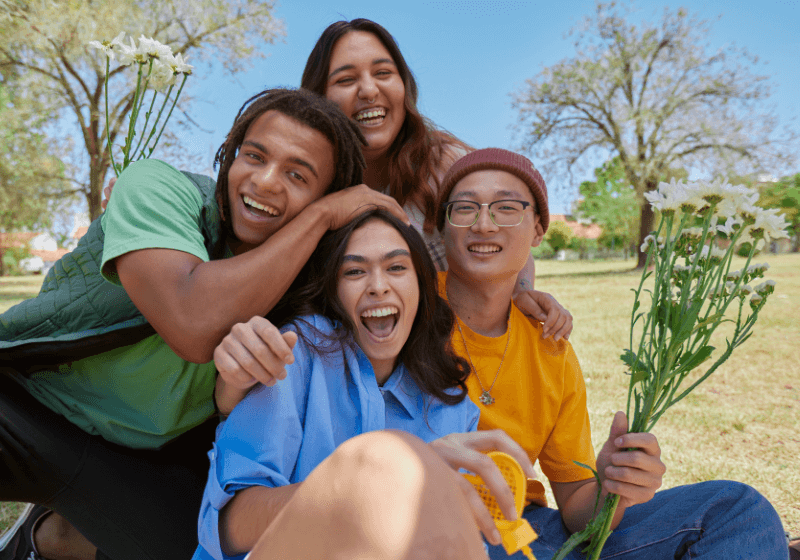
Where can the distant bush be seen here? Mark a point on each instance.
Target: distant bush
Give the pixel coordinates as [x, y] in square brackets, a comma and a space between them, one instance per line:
[11, 259]
[543, 251]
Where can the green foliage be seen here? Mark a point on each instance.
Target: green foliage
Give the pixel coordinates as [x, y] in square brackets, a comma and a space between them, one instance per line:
[785, 195]
[31, 176]
[11, 258]
[558, 236]
[543, 251]
[610, 201]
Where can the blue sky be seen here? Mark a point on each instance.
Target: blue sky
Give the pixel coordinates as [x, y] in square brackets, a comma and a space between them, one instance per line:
[469, 56]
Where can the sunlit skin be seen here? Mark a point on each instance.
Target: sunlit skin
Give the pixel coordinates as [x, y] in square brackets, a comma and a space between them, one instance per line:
[363, 78]
[378, 276]
[281, 167]
[485, 252]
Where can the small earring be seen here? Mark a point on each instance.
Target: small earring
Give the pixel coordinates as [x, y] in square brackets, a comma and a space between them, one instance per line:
[371, 100]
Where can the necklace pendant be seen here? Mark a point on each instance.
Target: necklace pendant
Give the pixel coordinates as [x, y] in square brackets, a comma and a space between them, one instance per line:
[486, 398]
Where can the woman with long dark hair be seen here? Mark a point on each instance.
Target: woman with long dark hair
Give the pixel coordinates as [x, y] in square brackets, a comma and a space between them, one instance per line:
[373, 355]
[358, 65]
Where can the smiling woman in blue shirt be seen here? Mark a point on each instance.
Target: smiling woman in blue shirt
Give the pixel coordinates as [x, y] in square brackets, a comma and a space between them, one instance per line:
[353, 449]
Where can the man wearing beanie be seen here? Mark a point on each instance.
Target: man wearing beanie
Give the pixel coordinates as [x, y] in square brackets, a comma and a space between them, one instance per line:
[494, 209]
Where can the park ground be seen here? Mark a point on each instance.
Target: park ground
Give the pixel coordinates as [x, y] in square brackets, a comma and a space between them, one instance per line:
[742, 424]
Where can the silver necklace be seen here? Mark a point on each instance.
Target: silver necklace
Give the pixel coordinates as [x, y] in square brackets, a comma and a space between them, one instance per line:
[486, 394]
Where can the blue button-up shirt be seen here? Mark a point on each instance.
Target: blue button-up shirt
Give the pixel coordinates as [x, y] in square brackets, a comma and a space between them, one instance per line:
[278, 435]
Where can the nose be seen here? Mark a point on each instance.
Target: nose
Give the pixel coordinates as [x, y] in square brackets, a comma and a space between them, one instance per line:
[485, 222]
[266, 178]
[378, 284]
[367, 88]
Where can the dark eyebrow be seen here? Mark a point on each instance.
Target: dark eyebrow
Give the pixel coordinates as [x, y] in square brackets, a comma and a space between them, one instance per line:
[504, 194]
[386, 257]
[298, 161]
[350, 66]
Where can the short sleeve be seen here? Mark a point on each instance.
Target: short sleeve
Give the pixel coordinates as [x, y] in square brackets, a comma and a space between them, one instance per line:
[152, 206]
[571, 437]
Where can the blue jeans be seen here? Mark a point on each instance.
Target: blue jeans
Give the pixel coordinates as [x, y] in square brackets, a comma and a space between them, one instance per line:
[712, 520]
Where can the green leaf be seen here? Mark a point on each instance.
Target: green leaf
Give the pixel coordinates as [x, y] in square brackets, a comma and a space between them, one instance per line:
[690, 361]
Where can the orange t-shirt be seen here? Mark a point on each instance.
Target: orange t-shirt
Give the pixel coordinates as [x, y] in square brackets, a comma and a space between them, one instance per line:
[540, 396]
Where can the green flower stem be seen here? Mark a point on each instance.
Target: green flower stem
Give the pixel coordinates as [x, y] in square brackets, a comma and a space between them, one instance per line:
[177, 95]
[108, 128]
[144, 127]
[137, 95]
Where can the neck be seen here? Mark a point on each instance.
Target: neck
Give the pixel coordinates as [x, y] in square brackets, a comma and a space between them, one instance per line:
[482, 306]
[376, 175]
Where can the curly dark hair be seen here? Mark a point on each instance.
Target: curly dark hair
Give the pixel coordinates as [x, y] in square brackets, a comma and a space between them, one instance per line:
[418, 154]
[309, 109]
[428, 354]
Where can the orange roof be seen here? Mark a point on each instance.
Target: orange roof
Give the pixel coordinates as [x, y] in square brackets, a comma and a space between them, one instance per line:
[49, 256]
[16, 239]
[584, 231]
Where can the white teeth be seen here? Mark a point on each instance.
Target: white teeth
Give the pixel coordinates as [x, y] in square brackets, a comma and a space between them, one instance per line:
[484, 248]
[268, 209]
[370, 114]
[380, 311]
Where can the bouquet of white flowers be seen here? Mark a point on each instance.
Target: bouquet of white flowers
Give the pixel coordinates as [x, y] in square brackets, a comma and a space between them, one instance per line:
[158, 69]
[694, 290]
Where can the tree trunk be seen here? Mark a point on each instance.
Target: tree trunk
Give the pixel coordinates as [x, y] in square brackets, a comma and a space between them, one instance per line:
[645, 227]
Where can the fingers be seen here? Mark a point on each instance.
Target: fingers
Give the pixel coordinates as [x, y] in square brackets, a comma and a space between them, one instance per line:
[482, 516]
[529, 306]
[634, 469]
[253, 352]
[349, 203]
[557, 321]
[466, 451]
[107, 192]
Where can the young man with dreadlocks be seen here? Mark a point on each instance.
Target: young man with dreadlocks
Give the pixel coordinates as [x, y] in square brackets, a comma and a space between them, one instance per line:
[107, 381]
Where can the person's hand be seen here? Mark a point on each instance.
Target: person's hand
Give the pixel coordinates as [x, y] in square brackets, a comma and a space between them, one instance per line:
[634, 475]
[254, 352]
[557, 321]
[107, 192]
[466, 451]
[342, 206]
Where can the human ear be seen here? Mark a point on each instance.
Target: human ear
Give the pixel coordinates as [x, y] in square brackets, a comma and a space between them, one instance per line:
[538, 233]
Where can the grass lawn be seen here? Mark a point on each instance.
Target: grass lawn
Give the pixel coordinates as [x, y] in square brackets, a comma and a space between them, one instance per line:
[742, 424]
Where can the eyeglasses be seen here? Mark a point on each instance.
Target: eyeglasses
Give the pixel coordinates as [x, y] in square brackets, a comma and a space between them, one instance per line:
[504, 213]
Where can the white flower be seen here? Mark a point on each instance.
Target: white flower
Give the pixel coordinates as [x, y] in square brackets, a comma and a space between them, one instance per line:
[758, 268]
[161, 76]
[731, 226]
[179, 65]
[745, 290]
[755, 301]
[108, 46]
[153, 49]
[647, 241]
[768, 225]
[734, 276]
[765, 288]
[127, 55]
[714, 252]
[668, 198]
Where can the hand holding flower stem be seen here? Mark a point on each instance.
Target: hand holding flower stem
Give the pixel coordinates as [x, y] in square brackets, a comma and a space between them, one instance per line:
[688, 301]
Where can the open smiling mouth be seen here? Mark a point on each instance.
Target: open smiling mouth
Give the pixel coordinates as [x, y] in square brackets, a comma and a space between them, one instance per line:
[484, 248]
[260, 210]
[370, 117]
[380, 322]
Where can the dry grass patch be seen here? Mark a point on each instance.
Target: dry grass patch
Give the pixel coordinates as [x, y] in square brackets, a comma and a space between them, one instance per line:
[14, 289]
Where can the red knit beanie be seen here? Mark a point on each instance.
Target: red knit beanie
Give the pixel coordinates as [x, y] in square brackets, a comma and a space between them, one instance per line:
[503, 160]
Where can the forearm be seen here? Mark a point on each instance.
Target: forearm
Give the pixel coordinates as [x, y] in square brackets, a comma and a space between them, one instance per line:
[579, 510]
[526, 277]
[205, 299]
[227, 396]
[248, 514]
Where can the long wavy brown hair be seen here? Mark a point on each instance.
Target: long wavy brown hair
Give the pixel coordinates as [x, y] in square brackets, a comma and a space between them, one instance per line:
[419, 154]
